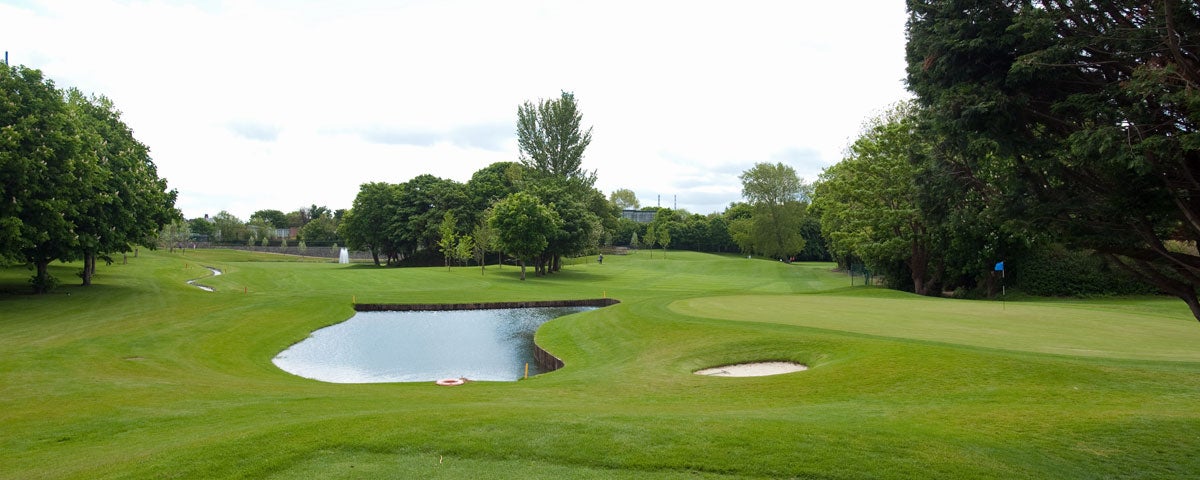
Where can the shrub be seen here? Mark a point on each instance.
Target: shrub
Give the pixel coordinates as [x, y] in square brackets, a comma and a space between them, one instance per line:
[1056, 271]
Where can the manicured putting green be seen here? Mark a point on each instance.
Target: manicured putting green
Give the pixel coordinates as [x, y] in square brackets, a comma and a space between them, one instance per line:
[1062, 329]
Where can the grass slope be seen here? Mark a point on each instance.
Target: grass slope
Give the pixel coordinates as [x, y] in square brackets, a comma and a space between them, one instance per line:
[144, 376]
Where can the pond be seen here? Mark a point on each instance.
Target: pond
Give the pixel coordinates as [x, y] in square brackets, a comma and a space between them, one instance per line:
[382, 347]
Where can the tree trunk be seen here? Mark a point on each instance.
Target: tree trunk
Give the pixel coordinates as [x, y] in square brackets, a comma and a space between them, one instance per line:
[375, 256]
[89, 267]
[918, 265]
[42, 277]
[522, 269]
[557, 263]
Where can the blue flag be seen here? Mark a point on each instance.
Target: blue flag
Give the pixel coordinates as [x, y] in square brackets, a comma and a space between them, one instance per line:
[1000, 267]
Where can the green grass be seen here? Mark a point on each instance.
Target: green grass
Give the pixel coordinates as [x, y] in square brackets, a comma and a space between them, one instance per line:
[143, 376]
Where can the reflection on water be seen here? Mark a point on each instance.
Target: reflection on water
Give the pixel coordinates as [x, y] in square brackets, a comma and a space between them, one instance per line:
[378, 347]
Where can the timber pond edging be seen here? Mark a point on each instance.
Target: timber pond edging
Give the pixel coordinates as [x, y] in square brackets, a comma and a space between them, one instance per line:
[425, 307]
[545, 360]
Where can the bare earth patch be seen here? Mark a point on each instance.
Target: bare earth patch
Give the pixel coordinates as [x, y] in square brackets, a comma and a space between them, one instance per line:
[758, 369]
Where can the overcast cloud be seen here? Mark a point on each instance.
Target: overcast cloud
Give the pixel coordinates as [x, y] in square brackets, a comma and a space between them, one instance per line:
[250, 105]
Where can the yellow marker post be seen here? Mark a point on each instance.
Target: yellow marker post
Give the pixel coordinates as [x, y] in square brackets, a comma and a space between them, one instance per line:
[526, 369]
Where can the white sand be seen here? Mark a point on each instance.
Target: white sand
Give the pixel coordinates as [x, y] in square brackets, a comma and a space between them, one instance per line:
[760, 369]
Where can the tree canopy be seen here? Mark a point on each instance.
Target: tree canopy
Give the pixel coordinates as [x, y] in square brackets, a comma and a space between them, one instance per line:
[523, 226]
[552, 140]
[778, 199]
[1082, 115]
[76, 183]
[624, 199]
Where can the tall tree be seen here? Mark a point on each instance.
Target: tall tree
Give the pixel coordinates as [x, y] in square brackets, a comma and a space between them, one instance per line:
[485, 238]
[77, 184]
[551, 138]
[523, 226]
[363, 227]
[40, 173]
[1083, 114]
[868, 201]
[778, 199]
[127, 203]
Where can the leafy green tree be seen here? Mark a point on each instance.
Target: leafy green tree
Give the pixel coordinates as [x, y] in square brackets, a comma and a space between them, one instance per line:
[364, 227]
[664, 238]
[485, 238]
[776, 195]
[447, 239]
[41, 173]
[75, 183]
[814, 242]
[274, 218]
[296, 218]
[314, 212]
[633, 241]
[201, 226]
[420, 205]
[650, 239]
[1083, 115]
[173, 235]
[261, 228]
[228, 228]
[579, 229]
[523, 226]
[552, 144]
[551, 138]
[464, 249]
[128, 203]
[868, 201]
[718, 237]
[321, 230]
[624, 199]
[488, 186]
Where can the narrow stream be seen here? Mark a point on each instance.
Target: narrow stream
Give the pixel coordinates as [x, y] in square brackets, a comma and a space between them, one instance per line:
[193, 283]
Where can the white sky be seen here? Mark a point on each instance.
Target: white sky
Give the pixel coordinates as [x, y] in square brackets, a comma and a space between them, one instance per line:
[250, 105]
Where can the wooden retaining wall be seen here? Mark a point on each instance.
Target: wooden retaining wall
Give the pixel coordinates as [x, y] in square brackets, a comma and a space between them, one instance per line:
[424, 307]
[545, 360]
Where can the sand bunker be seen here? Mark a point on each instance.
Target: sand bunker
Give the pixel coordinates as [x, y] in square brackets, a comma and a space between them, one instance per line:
[759, 369]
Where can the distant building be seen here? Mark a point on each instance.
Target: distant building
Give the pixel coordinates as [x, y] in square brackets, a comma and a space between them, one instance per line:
[639, 216]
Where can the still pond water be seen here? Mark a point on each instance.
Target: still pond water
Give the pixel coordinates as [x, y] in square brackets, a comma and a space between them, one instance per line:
[380, 347]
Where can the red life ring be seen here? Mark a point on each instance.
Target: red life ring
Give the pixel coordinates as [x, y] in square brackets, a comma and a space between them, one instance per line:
[450, 382]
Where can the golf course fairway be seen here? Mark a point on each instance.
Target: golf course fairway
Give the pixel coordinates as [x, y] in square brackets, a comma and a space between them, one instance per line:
[144, 376]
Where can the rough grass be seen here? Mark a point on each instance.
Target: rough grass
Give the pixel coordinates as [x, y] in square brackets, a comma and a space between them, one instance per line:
[143, 376]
